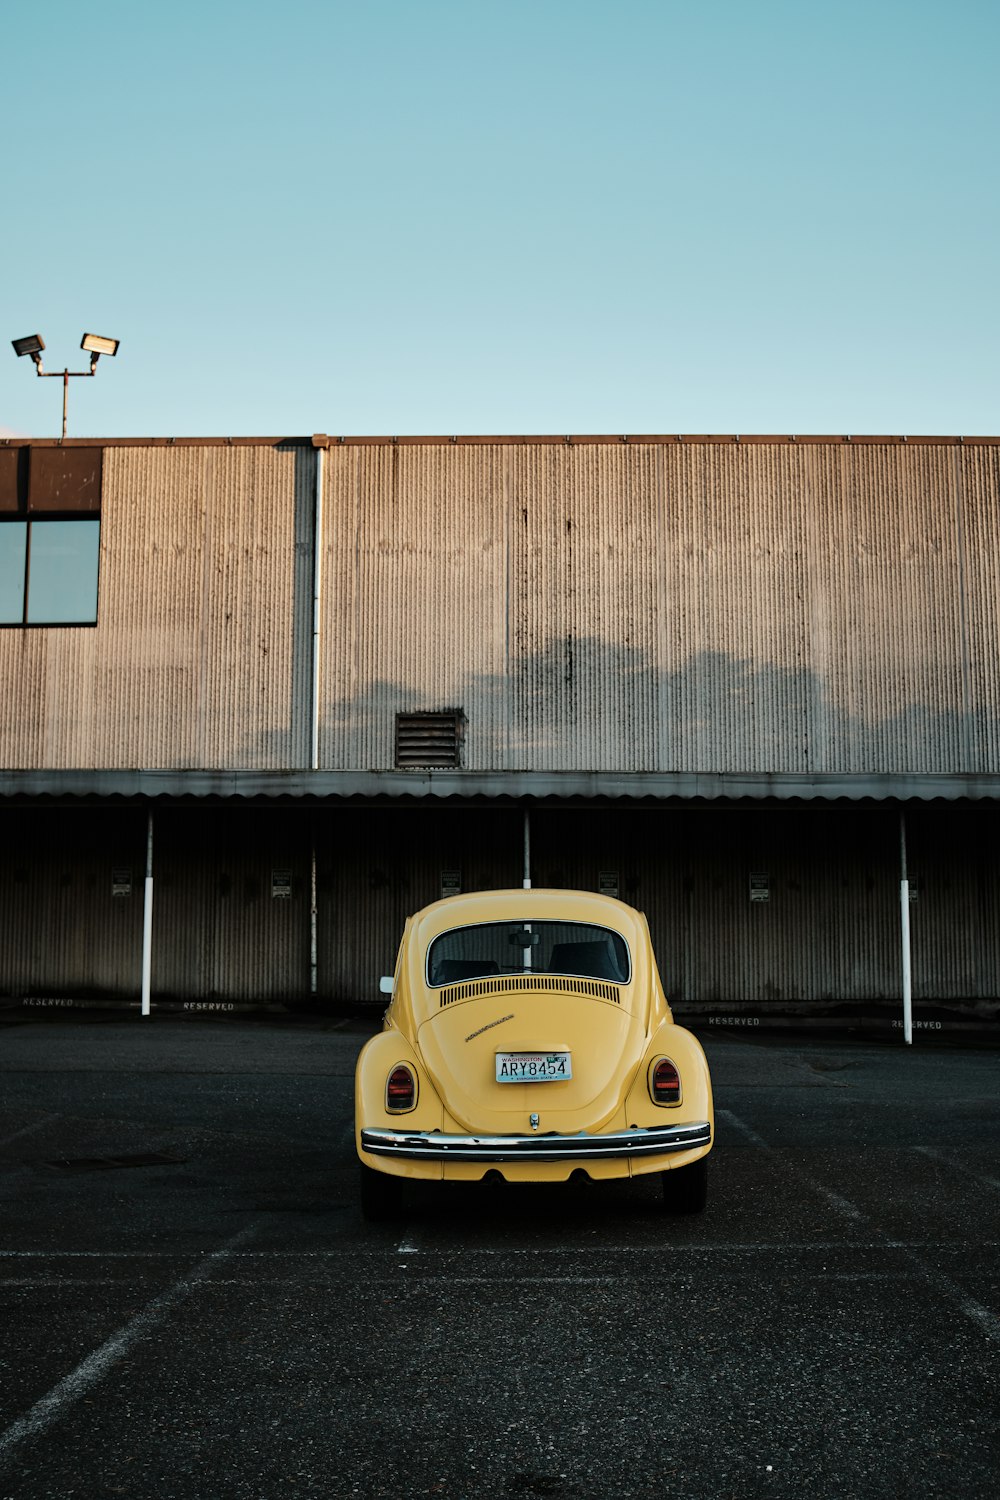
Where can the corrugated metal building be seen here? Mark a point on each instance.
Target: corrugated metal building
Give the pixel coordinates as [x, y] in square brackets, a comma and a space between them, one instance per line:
[720, 674]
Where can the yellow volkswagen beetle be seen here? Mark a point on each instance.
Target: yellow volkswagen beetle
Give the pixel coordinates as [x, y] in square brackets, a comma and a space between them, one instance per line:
[528, 1035]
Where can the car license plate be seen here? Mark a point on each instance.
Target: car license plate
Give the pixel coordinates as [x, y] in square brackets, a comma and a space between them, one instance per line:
[533, 1067]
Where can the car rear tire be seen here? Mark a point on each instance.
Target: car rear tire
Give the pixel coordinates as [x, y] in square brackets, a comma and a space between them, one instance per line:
[381, 1195]
[685, 1189]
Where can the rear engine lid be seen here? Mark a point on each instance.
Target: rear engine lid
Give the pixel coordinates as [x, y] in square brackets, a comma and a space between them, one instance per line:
[459, 1046]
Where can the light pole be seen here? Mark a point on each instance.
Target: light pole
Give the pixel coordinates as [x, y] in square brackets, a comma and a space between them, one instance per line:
[92, 342]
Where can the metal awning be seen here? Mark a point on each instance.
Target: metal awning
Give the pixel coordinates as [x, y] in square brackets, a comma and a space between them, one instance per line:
[503, 785]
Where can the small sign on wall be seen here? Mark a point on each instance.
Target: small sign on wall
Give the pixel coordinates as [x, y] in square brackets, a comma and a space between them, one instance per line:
[281, 885]
[121, 882]
[451, 883]
[760, 886]
[607, 882]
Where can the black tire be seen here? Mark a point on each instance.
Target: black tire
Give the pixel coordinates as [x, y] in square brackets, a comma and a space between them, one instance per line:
[685, 1189]
[381, 1195]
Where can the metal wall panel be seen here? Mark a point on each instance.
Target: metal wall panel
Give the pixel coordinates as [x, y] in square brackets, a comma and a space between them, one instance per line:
[955, 919]
[63, 932]
[415, 611]
[828, 931]
[689, 606]
[376, 866]
[825, 942]
[663, 606]
[978, 521]
[219, 932]
[886, 625]
[201, 653]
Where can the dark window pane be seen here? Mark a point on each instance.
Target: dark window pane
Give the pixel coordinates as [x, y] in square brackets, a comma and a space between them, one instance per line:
[524, 947]
[62, 587]
[13, 537]
[65, 478]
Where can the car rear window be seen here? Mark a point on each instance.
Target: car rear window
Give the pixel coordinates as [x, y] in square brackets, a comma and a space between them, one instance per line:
[488, 948]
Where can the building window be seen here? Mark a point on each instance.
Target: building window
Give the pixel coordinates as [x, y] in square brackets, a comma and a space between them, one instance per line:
[48, 571]
[429, 739]
[50, 533]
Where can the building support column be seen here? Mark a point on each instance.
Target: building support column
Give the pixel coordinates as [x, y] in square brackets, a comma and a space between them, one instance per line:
[526, 874]
[317, 615]
[319, 448]
[313, 924]
[147, 919]
[904, 926]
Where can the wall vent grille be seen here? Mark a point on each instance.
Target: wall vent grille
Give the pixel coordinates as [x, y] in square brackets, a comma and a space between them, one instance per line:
[429, 739]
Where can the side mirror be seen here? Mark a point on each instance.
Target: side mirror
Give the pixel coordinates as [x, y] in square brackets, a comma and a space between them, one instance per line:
[385, 984]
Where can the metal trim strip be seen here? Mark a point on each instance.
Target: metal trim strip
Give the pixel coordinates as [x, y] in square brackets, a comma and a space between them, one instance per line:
[437, 1146]
[667, 439]
[406, 785]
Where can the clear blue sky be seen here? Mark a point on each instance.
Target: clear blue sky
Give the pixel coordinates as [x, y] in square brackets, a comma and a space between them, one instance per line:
[511, 216]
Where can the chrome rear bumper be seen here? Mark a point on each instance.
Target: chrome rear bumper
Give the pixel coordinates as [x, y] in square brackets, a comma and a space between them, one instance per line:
[436, 1146]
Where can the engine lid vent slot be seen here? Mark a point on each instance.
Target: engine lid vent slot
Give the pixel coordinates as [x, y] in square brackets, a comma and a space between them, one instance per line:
[540, 984]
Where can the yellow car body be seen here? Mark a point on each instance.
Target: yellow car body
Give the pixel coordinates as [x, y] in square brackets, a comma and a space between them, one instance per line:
[533, 1053]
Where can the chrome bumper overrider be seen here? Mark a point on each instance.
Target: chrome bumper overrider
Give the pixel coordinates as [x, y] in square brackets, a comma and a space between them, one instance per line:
[435, 1146]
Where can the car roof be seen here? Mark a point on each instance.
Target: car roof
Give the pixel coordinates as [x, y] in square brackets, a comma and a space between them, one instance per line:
[520, 905]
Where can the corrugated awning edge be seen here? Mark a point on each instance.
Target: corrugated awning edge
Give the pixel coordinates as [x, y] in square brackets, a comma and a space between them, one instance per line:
[401, 785]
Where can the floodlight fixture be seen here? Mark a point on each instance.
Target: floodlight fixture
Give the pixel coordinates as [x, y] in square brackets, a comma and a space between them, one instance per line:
[95, 344]
[33, 345]
[98, 345]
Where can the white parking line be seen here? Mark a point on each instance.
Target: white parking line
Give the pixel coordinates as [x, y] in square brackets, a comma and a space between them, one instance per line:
[50, 1283]
[28, 1130]
[93, 1369]
[956, 1166]
[638, 1252]
[842, 1205]
[981, 1316]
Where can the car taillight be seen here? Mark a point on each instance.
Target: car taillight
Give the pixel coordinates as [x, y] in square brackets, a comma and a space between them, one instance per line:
[664, 1082]
[400, 1089]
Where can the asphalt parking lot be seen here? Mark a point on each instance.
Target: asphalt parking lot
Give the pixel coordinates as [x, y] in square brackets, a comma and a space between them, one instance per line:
[192, 1305]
